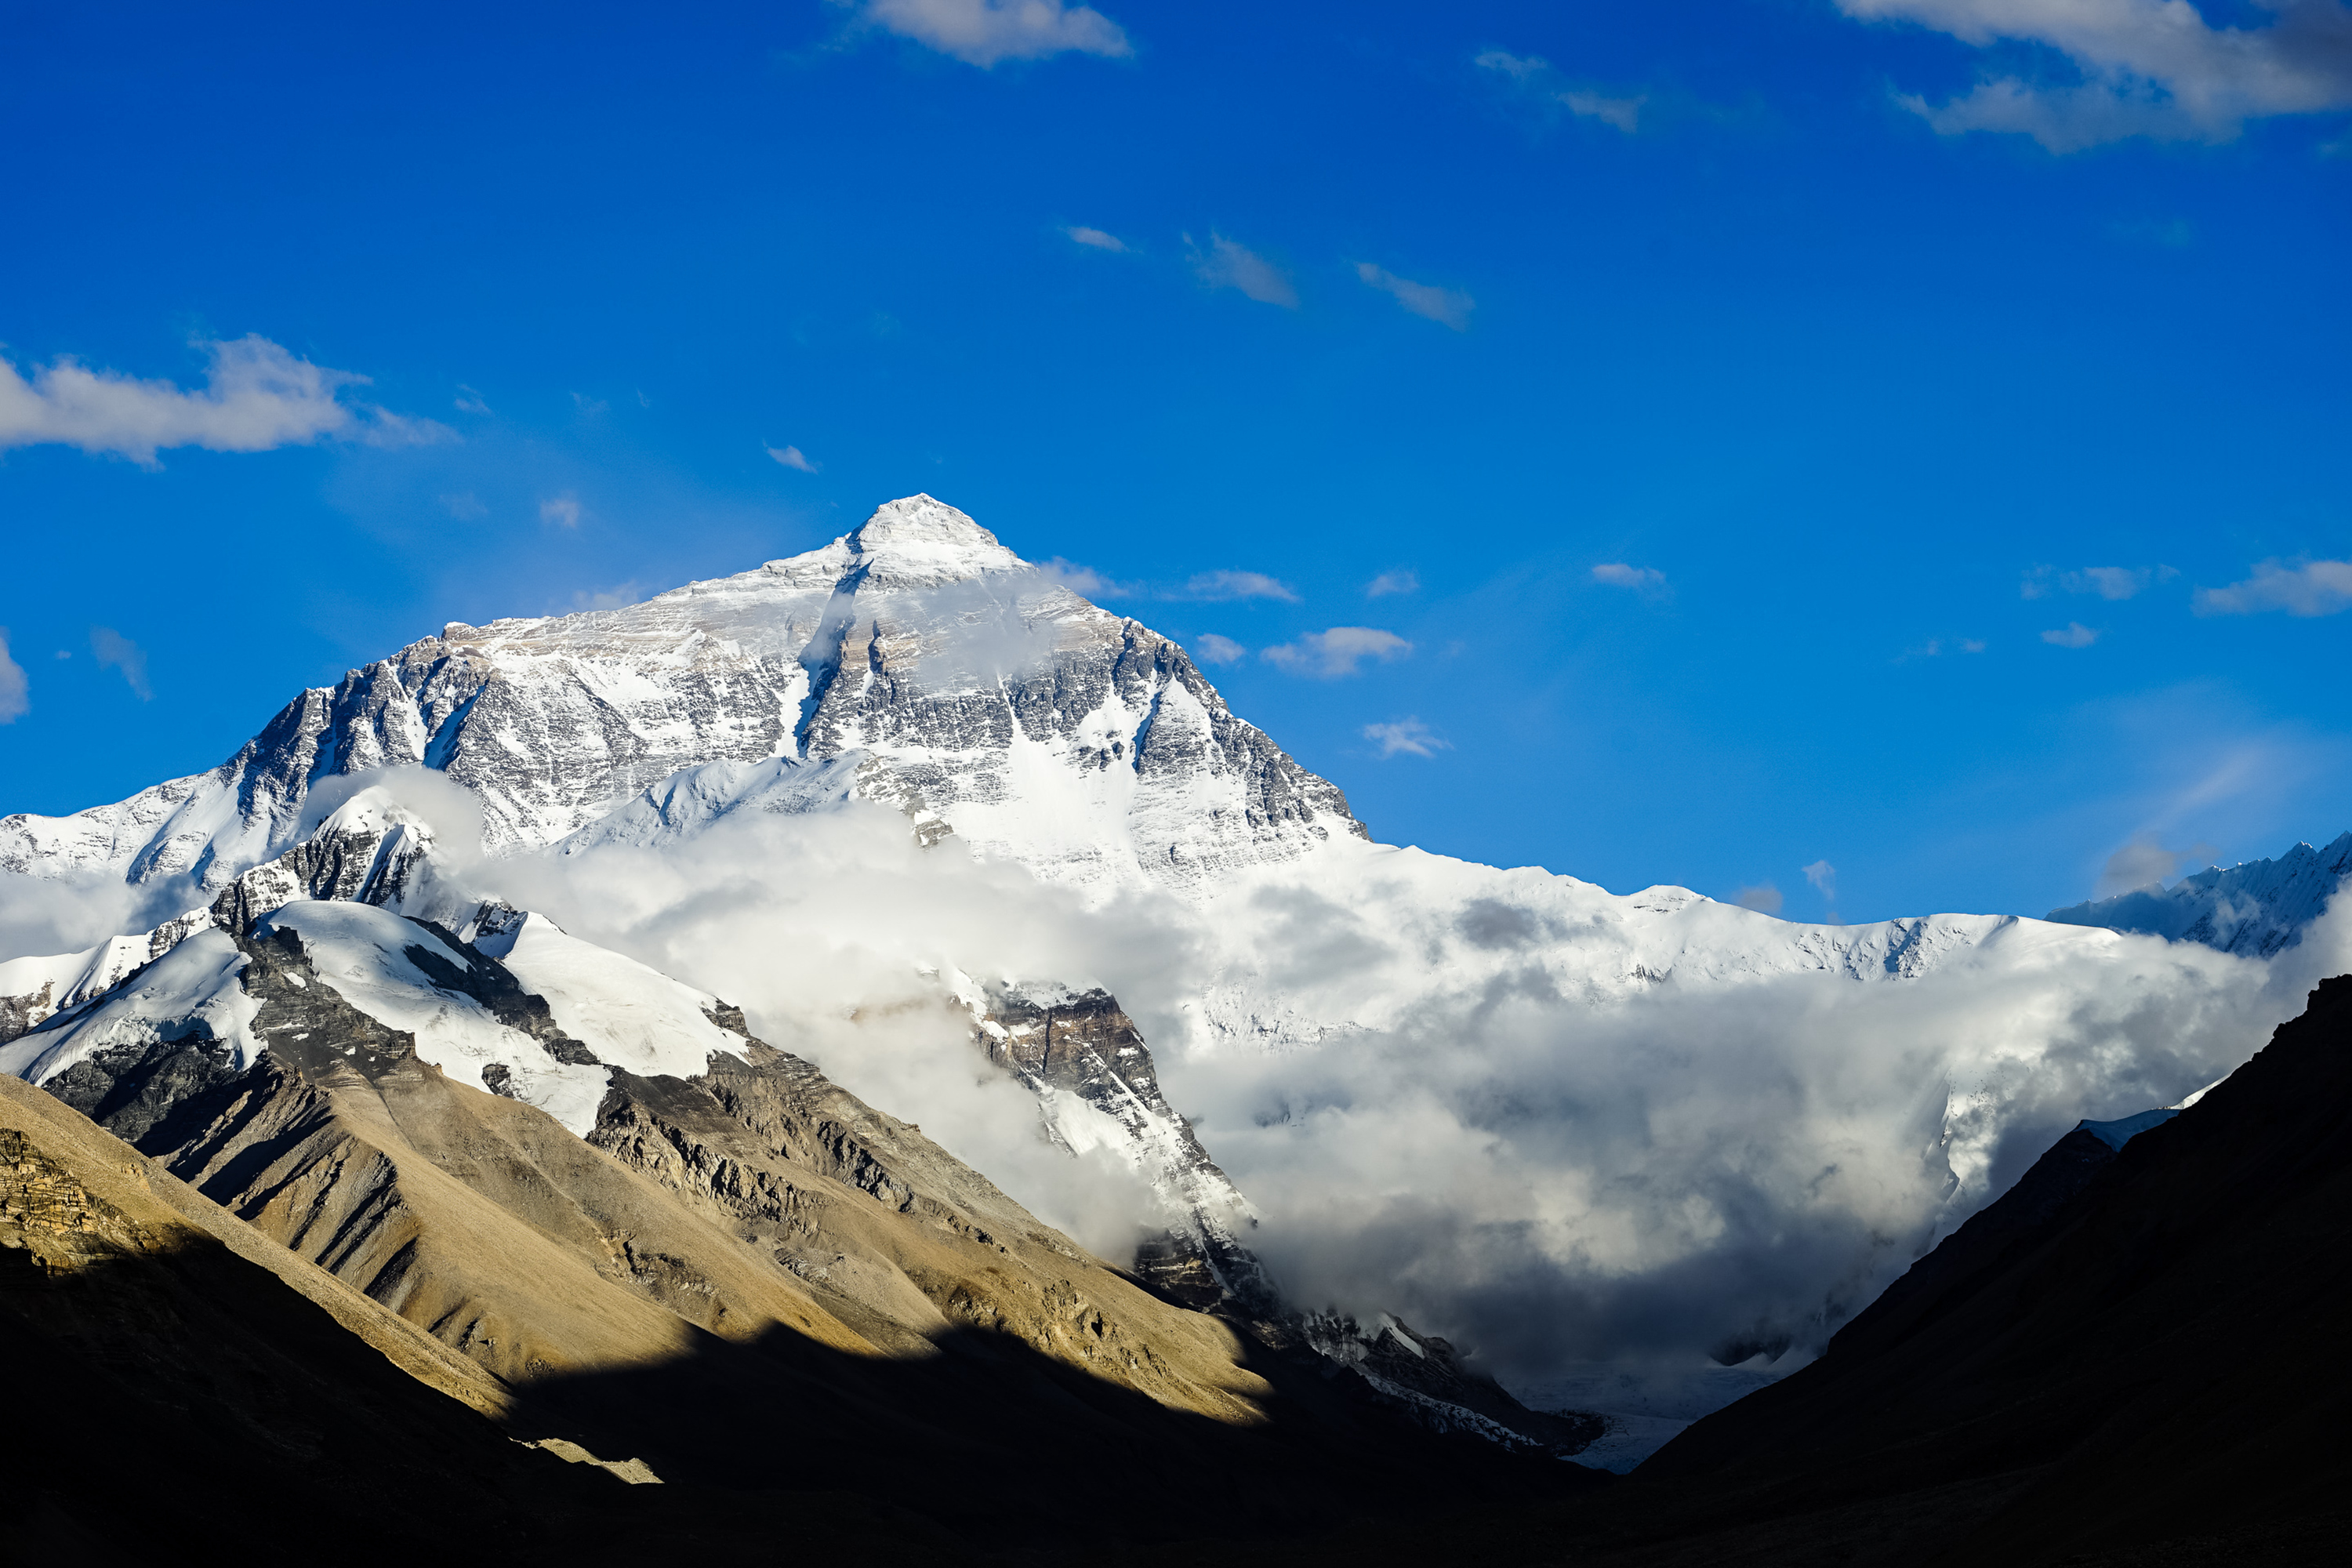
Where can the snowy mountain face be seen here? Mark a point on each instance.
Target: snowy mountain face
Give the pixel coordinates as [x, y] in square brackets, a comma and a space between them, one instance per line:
[2258, 907]
[1421, 1070]
[915, 661]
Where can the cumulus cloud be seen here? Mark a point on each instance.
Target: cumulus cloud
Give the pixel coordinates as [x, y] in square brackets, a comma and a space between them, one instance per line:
[1096, 239]
[1085, 581]
[2144, 67]
[983, 32]
[1336, 652]
[1534, 76]
[1397, 582]
[1646, 580]
[562, 510]
[13, 701]
[791, 457]
[1211, 649]
[257, 397]
[1447, 306]
[1219, 586]
[2074, 633]
[114, 651]
[1407, 736]
[1228, 264]
[2306, 588]
[1763, 897]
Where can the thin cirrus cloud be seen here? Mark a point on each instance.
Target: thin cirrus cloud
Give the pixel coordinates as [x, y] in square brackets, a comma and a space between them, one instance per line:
[1339, 651]
[2074, 633]
[1219, 586]
[1535, 76]
[2307, 588]
[1211, 649]
[114, 651]
[984, 32]
[1096, 239]
[1085, 581]
[1647, 580]
[1229, 264]
[1400, 581]
[791, 457]
[1447, 306]
[2148, 68]
[257, 397]
[15, 700]
[562, 510]
[2112, 583]
[1407, 737]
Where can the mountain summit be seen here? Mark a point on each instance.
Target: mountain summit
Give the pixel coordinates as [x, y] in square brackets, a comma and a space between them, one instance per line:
[914, 660]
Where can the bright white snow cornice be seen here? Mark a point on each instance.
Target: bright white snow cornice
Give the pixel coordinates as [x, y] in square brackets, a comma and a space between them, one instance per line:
[914, 661]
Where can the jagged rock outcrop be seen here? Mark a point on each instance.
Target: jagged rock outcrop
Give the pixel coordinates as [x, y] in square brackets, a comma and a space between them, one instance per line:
[2258, 909]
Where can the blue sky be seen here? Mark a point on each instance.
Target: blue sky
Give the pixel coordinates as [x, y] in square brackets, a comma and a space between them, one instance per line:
[1907, 437]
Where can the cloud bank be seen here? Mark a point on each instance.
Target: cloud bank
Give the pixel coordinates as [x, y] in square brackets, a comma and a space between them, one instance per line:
[257, 397]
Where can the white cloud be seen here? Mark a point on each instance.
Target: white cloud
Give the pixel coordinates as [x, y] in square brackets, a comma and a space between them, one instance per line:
[1763, 897]
[2307, 588]
[470, 401]
[1617, 574]
[590, 407]
[13, 701]
[1400, 581]
[1448, 307]
[257, 397]
[2142, 863]
[1085, 581]
[1824, 877]
[1211, 649]
[114, 651]
[2107, 582]
[982, 32]
[1096, 239]
[2074, 633]
[1336, 652]
[1535, 75]
[618, 596]
[465, 506]
[562, 510]
[791, 457]
[1407, 736]
[2148, 68]
[1222, 586]
[1227, 264]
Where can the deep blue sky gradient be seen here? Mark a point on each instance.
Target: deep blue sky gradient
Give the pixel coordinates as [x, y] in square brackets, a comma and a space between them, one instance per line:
[1844, 382]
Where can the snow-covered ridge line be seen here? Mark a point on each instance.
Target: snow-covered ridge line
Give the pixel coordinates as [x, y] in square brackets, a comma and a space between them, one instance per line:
[975, 690]
[2257, 908]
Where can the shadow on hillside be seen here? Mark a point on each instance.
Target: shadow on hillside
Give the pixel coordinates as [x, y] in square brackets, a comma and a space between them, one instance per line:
[1002, 1446]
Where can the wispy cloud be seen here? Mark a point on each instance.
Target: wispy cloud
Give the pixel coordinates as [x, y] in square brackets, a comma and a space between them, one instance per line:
[1400, 581]
[1217, 586]
[1329, 654]
[1824, 877]
[2074, 633]
[114, 651]
[1406, 737]
[257, 397]
[1085, 582]
[465, 506]
[1448, 307]
[616, 597]
[590, 407]
[2306, 588]
[982, 32]
[14, 698]
[1535, 76]
[1228, 264]
[1211, 649]
[1096, 239]
[791, 457]
[2147, 67]
[562, 510]
[2107, 582]
[1763, 897]
[1935, 647]
[470, 401]
[1647, 580]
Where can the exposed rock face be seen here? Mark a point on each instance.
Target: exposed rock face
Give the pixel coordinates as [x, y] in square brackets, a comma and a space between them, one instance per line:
[917, 644]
